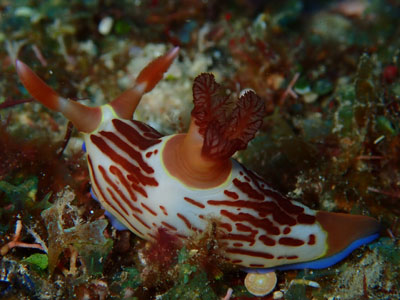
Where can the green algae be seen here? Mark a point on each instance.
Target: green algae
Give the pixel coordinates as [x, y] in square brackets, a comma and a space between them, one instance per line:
[20, 195]
[296, 292]
[38, 260]
[388, 249]
[198, 287]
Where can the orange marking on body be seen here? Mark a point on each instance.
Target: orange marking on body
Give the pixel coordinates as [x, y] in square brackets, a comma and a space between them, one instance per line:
[164, 210]
[96, 183]
[288, 241]
[239, 237]
[286, 230]
[194, 202]
[264, 223]
[292, 257]
[141, 221]
[169, 226]
[148, 209]
[232, 195]
[182, 236]
[256, 265]
[114, 170]
[185, 220]
[136, 186]
[267, 240]
[237, 261]
[250, 253]
[311, 239]
[227, 226]
[119, 192]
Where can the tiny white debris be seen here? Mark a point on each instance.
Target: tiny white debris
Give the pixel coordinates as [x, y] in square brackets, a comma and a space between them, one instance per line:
[277, 295]
[302, 90]
[100, 283]
[105, 25]
[23, 11]
[311, 283]
[310, 97]
[379, 139]
[88, 47]
[314, 284]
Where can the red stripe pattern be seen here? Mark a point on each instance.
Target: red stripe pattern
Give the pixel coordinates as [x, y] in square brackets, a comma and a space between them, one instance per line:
[255, 221]
[259, 227]
[121, 173]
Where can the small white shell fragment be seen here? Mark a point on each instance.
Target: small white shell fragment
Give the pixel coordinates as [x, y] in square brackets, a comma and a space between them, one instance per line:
[105, 25]
[24, 11]
[277, 295]
[260, 284]
[311, 283]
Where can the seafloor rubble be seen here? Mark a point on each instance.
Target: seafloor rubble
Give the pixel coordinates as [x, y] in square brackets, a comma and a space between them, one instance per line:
[328, 72]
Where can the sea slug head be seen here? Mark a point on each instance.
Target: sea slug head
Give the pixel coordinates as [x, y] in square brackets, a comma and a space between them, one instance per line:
[88, 119]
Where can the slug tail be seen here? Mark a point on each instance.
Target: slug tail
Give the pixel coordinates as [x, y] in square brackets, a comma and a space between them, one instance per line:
[344, 230]
[345, 233]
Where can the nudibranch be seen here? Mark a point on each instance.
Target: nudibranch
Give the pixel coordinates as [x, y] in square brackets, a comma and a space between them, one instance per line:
[179, 182]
